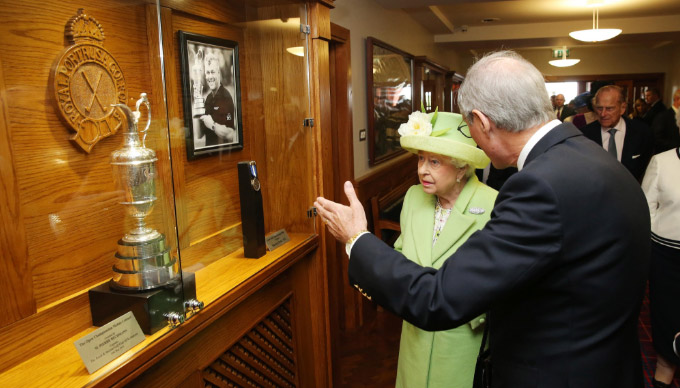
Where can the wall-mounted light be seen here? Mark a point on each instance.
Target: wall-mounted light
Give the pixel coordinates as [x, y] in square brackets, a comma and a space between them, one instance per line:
[297, 50]
[564, 62]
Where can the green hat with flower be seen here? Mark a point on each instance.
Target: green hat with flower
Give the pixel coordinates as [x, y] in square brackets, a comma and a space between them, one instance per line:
[441, 133]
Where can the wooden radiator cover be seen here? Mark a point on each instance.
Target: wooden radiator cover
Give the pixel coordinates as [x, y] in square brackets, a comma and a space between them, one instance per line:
[263, 357]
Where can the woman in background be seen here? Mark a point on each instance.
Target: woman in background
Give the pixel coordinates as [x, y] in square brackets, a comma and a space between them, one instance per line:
[438, 215]
[639, 109]
[662, 189]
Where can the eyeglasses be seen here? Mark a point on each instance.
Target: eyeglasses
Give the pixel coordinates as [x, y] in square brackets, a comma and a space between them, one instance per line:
[462, 125]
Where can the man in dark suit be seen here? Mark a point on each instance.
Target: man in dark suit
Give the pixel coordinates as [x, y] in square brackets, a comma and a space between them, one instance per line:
[665, 127]
[632, 143]
[562, 111]
[656, 106]
[560, 267]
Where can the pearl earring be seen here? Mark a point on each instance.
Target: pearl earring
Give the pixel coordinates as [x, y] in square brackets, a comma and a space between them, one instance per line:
[457, 180]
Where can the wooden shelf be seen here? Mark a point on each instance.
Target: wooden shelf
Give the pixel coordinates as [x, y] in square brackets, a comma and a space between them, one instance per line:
[220, 285]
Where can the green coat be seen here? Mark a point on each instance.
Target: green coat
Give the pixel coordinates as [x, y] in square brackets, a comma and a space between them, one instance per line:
[441, 358]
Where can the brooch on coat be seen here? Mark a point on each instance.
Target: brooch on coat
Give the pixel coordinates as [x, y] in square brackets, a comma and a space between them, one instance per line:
[476, 210]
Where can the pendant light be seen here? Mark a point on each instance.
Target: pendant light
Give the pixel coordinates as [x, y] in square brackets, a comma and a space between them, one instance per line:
[564, 62]
[595, 34]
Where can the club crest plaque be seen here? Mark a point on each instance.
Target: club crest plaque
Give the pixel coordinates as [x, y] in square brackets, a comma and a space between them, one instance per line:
[87, 82]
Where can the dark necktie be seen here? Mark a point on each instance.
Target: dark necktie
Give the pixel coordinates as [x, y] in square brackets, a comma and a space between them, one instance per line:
[612, 143]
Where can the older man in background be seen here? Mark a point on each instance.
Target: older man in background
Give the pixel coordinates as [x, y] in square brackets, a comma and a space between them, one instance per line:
[629, 141]
[563, 292]
[562, 111]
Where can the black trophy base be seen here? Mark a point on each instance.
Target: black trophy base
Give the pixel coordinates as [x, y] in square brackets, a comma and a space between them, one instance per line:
[148, 307]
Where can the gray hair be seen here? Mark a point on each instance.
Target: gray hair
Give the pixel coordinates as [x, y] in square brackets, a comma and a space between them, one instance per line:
[611, 88]
[508, 89]
[460, 164]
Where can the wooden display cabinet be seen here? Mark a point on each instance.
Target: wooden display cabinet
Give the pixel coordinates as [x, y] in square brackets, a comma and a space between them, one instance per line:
[429, 82]
[453, 82]
[265, 321]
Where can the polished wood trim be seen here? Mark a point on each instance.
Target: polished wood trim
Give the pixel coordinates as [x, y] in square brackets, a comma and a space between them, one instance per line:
[221, 286]
[201, 350]
[425, 61]
[317, 352]
[220, 11]
[327, 3]
[16, 285]
[343, 161]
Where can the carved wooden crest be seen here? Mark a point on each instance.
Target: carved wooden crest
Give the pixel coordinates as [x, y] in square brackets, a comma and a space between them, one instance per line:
[87, 80]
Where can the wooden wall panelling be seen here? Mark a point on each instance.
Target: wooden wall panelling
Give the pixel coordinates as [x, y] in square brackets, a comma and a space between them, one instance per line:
[16, 282]
[160, 131]
[228, 11]
[206, 189]
[289, 163]
[71, 216]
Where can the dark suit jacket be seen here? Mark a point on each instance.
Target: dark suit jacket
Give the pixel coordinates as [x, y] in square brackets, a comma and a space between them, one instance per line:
[665, 131]
[561, 267]
[566, 112]
[653, 112]
[637, 145]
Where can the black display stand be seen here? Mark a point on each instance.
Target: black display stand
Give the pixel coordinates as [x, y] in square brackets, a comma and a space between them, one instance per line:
[148, 307]
[252, 215]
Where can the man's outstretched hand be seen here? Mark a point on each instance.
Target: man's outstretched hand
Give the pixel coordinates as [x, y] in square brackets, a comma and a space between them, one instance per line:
[344, 222]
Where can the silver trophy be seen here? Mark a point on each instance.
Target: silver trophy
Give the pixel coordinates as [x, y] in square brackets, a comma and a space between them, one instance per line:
[197, 80]
[143, 260]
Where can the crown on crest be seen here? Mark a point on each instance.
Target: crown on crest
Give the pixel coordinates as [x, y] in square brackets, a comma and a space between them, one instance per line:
[84, 27]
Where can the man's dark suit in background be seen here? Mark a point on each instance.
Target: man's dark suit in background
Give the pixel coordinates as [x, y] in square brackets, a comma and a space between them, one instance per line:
[561, 266]
[656, 107]
[665, 131]
[637, 145]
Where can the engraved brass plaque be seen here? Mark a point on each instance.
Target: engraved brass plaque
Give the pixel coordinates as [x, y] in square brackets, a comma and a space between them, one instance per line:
[87, 81]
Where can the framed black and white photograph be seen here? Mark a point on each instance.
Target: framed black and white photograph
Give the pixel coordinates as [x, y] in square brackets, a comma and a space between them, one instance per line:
[211, 93]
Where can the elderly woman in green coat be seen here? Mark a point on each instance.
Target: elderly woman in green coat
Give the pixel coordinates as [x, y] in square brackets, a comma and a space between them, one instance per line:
[438, 215]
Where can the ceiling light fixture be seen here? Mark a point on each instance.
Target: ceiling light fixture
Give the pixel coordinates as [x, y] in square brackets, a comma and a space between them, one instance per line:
[595, 34]
[564, 62]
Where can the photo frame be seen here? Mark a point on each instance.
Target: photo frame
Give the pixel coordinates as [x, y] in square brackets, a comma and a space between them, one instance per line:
[389, 79]
[211, 93]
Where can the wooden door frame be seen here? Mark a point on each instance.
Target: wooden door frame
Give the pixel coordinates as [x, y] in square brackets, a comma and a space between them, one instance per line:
[345, 305]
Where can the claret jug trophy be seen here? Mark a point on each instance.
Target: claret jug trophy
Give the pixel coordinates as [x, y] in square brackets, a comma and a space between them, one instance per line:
[143, 260]
[147, 278]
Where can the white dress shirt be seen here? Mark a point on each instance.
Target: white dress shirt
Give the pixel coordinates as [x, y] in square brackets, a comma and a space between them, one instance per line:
[618, 138]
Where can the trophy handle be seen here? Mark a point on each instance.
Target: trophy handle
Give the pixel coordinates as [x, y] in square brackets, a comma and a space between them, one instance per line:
[143, 100]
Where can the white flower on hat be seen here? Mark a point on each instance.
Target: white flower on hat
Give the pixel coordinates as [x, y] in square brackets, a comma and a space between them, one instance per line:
[418, 124]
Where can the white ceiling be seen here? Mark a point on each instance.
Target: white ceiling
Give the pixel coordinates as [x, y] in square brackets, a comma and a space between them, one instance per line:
[534, 24]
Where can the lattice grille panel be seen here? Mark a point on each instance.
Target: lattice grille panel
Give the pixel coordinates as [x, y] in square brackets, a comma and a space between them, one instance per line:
[263, 357]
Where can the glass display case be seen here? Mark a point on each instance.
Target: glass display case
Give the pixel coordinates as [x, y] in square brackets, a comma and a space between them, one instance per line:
[90, 202]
